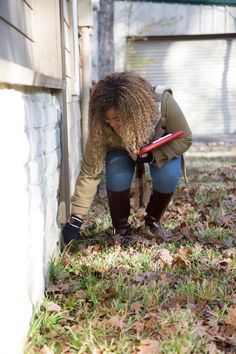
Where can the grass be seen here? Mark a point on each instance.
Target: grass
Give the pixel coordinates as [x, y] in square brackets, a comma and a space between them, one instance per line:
[178, 297]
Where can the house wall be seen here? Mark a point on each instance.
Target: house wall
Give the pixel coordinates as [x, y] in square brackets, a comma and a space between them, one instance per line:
[31, 160]
[40, 123]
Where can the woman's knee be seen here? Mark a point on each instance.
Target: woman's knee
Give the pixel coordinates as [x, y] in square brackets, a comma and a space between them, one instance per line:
[166, 179]
[119, 170]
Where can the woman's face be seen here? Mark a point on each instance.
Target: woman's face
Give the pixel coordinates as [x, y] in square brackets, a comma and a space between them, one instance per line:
[112, 118]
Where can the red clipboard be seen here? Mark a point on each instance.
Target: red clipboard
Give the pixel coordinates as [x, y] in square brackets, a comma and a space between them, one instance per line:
[163, 140]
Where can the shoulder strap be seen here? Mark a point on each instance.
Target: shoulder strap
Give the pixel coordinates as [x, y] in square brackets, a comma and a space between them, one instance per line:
[159, 91]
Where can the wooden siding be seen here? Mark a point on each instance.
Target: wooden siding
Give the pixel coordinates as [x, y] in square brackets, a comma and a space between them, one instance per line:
[69, 51]
[18, 15]
[30, 38]
[48, 42]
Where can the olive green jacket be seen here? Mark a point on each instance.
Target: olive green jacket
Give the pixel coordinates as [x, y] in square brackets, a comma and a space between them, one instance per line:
[172, 119]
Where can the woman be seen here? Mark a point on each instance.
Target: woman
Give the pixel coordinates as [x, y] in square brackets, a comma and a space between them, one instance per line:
[124, 115]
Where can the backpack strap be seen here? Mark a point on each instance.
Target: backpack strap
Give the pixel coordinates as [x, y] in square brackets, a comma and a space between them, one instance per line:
[159, 91]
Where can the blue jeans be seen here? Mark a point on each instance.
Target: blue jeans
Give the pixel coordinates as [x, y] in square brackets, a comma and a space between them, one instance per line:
[120, 170]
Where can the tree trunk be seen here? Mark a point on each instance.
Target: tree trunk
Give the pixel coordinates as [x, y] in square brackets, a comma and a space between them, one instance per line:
[105, 38]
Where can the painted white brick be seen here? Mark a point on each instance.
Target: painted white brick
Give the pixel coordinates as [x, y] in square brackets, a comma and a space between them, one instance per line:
[36, 142]
[35, 256]
[35, 114]
[51, 188]
[51, 139]
[52, 161]
[36, 194]
[31, 156]
[36, 170]
[52, 116]
[50, 213]
[14, 147]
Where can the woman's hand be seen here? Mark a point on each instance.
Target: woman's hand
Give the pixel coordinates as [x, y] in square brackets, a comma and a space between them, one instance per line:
[71, 230]
[146, 158]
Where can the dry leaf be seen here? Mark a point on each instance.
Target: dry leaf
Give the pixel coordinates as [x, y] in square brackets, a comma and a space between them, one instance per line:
[148, 346]
[66, 260]
[181, 262]
[184, 252]
[166, 257]
[211, 348]
[52, 334]
[53, 308]
[123, 268]
[138, 327]
[227, 221]
[199, 329]
[233, 299]
[80, 294]
[225, 262]
[97, 247]
[116, 321]
[165, 278]
[151, 322]
[230, 252]
[46, 350]
[146, 277]
[231, 317]
[57, 288]
[138, 278]
[136, 306]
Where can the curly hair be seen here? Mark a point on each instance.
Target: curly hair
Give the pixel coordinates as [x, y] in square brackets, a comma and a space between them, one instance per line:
[134, 99]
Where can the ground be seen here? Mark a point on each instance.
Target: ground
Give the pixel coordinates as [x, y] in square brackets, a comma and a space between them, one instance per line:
[106, 296]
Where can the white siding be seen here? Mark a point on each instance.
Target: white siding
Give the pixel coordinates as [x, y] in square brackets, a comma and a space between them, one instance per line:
[72, 91]
[30, 36]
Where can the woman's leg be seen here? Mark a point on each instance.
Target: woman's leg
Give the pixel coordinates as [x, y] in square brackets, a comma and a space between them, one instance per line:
[165, 181]
[119, 174]
[166, 178]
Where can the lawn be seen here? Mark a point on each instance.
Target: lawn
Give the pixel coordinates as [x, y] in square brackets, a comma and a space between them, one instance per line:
[139, 297]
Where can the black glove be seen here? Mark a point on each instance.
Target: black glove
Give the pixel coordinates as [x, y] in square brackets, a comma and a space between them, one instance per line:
[71, 229]
[148, 157]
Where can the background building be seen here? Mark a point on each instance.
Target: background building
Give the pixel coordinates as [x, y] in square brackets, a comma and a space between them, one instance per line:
[189, 46]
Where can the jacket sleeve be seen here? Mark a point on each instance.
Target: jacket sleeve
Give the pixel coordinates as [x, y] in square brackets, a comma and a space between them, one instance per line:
[174, 120]
[89, 178]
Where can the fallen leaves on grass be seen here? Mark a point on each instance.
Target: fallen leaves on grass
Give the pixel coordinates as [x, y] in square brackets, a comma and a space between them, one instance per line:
[148, 346]
[145, 298]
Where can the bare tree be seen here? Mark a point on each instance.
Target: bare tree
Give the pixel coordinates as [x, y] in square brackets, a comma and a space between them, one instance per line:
[105, 38]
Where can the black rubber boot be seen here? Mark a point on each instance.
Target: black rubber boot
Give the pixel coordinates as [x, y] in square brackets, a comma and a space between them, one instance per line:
[155, 209]
[119, 205]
